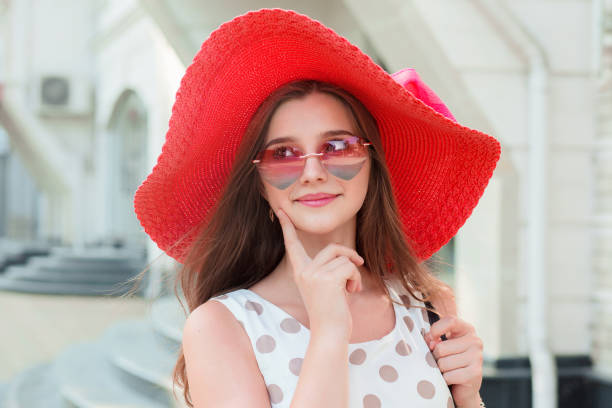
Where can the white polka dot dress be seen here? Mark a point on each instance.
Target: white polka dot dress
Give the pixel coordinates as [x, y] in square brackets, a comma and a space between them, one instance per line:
[395, 371]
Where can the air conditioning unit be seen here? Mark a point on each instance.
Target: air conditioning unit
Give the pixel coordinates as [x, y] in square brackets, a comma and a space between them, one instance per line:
[57, 95]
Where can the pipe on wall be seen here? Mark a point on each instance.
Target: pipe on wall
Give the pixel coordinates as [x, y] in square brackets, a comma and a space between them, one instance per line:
[543, 368]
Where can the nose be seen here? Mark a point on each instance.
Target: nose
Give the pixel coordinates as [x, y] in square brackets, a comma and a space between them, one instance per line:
[313, 170]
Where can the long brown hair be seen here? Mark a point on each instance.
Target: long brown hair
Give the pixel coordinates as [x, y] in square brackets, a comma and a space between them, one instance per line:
[238, 246]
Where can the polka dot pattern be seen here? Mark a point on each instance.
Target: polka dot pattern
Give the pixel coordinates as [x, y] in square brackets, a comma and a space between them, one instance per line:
[409, 323]
[275, 393]
[388, 373]
[357, 357]
[371, 401]
[256, 307]
[430, 359]
[266, 344]
[402, 348]
[425, 315]
[290, 325]
[426, 389]
[396, 371]
[295, 365]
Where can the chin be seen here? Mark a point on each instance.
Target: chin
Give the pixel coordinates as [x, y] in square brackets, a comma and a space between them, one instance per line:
[323, 223]
[314, 227]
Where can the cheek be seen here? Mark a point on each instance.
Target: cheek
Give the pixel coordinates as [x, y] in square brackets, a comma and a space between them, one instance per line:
[361, 182]
[274, 196]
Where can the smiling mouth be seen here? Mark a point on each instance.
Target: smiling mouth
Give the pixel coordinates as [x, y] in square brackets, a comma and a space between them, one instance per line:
[318, 202]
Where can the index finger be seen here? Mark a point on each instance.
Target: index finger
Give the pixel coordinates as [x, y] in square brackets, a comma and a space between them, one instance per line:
[293, 245]
[452, 326]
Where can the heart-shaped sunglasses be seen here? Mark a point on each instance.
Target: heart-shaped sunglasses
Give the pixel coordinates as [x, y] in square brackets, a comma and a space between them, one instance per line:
[283, 164]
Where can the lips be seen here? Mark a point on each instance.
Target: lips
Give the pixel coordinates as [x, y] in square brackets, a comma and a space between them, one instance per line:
[318, 196]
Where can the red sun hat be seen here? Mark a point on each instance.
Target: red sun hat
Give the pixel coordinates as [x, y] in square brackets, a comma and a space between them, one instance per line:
[439, 168]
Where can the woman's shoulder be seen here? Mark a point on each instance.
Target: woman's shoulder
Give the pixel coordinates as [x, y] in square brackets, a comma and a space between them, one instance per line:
[218, 353]
[214, 323]
[219, 314]
[212, 313]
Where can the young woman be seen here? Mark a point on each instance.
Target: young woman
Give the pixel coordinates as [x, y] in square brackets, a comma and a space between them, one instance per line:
[301, 187]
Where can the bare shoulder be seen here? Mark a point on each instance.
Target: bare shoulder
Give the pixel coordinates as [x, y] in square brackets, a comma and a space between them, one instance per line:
[221, 367]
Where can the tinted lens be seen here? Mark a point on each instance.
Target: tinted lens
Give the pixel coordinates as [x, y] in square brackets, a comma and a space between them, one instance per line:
[280, 173]
[345, 158]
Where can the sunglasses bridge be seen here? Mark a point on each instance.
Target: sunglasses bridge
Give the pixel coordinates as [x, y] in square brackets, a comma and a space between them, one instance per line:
[305, 156]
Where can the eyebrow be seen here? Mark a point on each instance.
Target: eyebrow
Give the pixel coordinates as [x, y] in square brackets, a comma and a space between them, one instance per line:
[325, 134]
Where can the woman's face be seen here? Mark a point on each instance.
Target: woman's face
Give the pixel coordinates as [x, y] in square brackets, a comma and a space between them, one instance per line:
[305, 120]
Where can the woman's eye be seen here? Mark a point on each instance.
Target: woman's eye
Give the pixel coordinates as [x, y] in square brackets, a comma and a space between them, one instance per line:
[335, 145]
[283, 152]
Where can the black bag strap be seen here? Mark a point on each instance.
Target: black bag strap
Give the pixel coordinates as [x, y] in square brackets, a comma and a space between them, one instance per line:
[433, 317]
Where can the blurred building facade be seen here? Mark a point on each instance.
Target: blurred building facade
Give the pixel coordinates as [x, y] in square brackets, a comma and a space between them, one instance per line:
[87, 89]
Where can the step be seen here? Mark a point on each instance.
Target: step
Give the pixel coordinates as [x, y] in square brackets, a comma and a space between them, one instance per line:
[67, 288]
[96, 255]
[9, 259]
[31, 388]
[97, 261]
[50, 263]
[87, 379]
[134, 348]
[19, 249]
[86, 277]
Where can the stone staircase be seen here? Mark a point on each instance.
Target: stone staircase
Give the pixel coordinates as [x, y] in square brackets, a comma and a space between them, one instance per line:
[14, 252]
[130, 365]
[91, 271]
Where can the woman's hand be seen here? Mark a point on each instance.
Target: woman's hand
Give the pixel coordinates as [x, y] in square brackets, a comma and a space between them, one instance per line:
[459, 358]
[323, 281]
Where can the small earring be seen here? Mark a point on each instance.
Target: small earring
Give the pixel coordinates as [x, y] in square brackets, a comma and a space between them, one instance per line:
[271, 214]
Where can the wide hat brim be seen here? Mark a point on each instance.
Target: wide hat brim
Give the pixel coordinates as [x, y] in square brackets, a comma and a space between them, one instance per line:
[439, 168]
